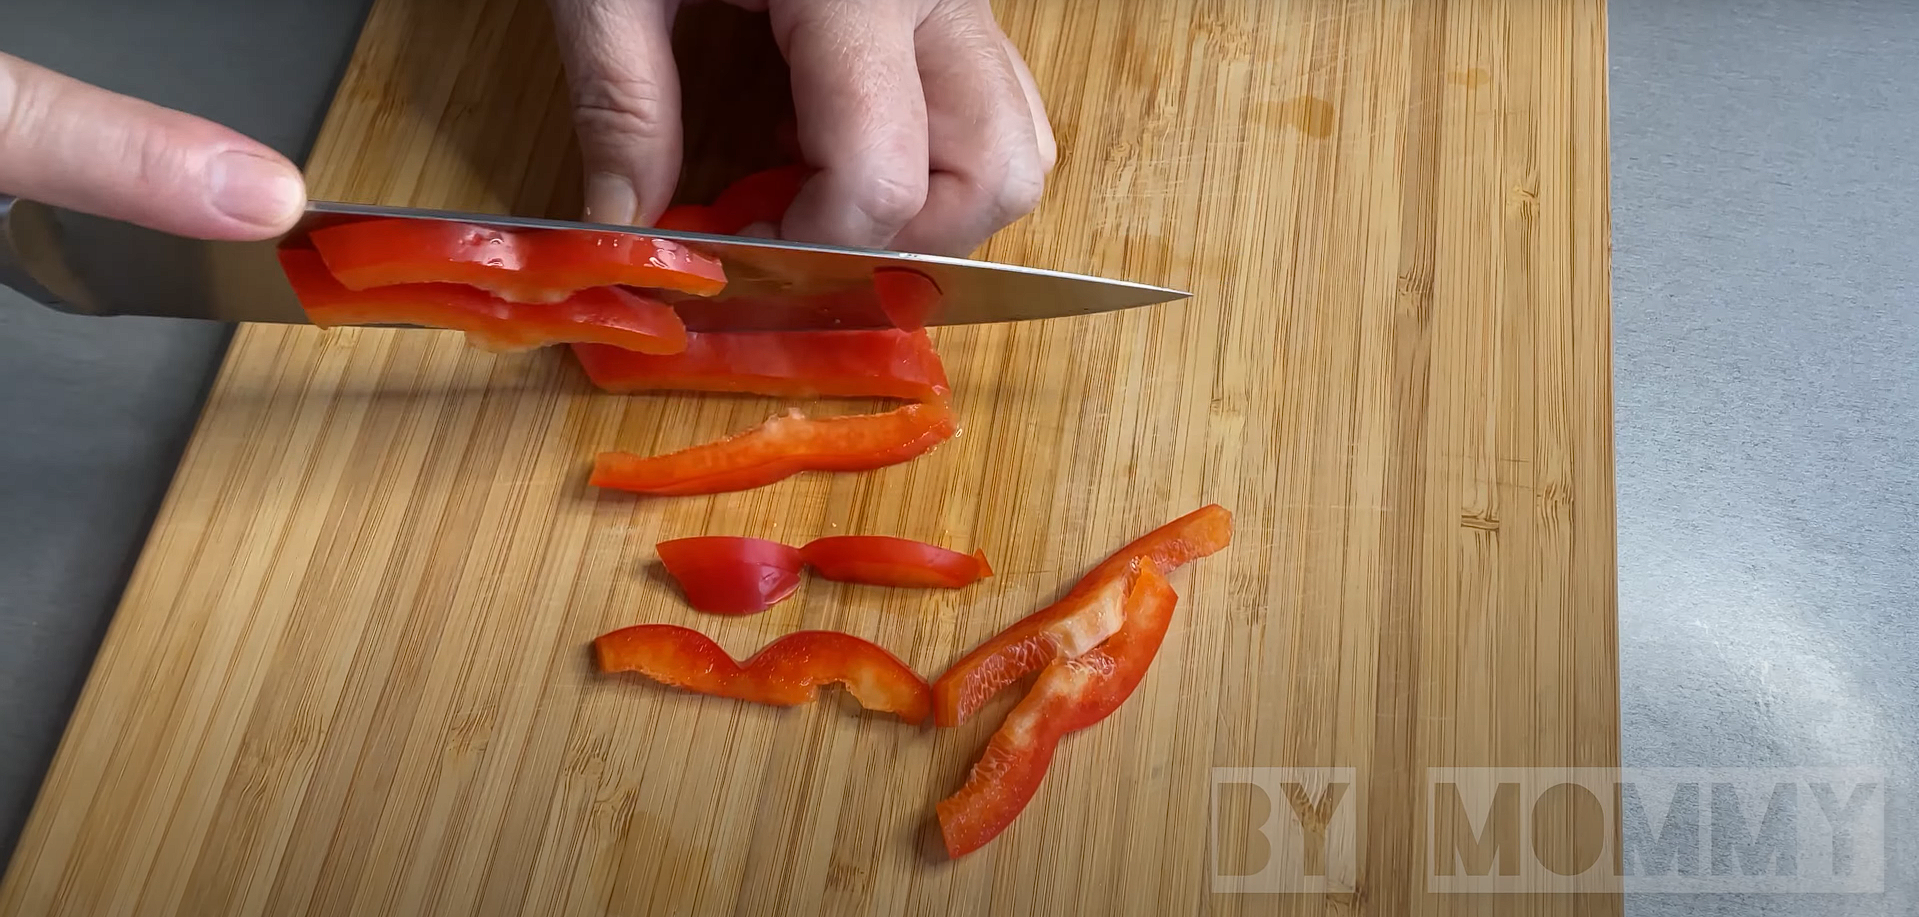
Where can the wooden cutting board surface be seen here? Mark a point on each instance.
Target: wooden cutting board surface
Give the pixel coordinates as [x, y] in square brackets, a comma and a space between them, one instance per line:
[350, 673]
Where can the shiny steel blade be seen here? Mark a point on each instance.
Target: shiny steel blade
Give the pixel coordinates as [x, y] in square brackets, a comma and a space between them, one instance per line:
[96, 266]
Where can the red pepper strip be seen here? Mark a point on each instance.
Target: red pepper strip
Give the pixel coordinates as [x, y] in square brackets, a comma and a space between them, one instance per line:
[531, 266]
[907, 297]
[882, 561]
[726, 575]
[606, 315]
[790, 364]
[695, 218]
[1088, 614]
[786, 673]
[779, 448]
[761, 197]
[1070, 695]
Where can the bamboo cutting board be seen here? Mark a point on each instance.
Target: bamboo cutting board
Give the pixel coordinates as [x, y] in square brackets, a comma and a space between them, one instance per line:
[350, 673]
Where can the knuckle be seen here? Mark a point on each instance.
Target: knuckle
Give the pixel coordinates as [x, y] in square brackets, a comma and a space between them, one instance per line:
[1020, 189]
[154, 157]
[622, 107]
[22, 110]
[891, 199]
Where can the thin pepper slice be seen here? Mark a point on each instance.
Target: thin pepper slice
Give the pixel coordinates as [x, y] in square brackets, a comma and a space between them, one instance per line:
[781, 447]
[790, 364]
[786, 673]
[729, 575]
[606, 315]
[529, 266]
[1070, 695]
[1086, 615]
[881, 560]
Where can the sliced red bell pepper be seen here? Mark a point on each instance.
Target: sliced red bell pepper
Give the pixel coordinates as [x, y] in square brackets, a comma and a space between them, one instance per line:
[727, 575]
[1088, 614]
[780, 448]
[884, 561]
[695, 218]
[907, 297]
[787, 672]
[605, 315]
[1070, 694]
[530, 266]
[791, 364]
[761, 197]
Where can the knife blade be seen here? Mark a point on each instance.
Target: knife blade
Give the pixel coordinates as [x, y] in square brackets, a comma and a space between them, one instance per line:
[90, 265]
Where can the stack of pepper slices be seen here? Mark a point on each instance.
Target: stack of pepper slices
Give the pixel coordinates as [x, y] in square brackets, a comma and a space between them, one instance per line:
[521, 290]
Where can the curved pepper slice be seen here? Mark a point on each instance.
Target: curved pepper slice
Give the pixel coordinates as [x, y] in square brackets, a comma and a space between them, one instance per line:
[787, 672]
[880, 560]
[529, 266]
[1070, 695]
[907, 297]
[780, 448]
[791, 364]
[1086, 615]
[728, 575]
[761, 197]
[607, 315]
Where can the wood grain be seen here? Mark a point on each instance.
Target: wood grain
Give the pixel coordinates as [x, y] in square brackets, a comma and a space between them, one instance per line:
[350, 673]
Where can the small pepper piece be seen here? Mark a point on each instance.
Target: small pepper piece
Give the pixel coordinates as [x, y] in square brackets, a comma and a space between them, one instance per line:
[787, 672]
[788, 364]
[729, 575]
[783, 446]
[528, 266]
[880, 560]
[605, 315]
[1070, 695]
[1086, 615]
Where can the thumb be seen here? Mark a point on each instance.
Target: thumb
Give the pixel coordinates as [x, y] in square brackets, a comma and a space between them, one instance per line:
[65, 143]
[626, 103]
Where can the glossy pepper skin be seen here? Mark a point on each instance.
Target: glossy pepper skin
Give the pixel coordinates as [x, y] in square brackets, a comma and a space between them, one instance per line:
[527, 266]
[789, 364]
[1070, 695]
[786, 673]
[778, 449]
[1089, 613]
[879, 560]
[606, 315]
[727, 575]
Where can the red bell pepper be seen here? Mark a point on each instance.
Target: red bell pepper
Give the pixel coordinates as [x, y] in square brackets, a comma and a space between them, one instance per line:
[1070, 695]
[761, 197]
[907, 297]
[883, 561]
[726, 575]
[1088, 614]
[787, 672]
[530, 266]
[606, 315]
[780, 448]
[696, 218]
[791, 364]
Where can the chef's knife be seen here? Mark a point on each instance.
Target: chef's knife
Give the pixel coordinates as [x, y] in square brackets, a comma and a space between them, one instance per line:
[89, 265]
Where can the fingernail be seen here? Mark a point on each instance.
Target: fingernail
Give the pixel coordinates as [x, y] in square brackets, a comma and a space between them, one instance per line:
[610, 198]
[257, 190]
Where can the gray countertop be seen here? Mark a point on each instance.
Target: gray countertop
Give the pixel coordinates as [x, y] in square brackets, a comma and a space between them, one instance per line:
[1765, 186]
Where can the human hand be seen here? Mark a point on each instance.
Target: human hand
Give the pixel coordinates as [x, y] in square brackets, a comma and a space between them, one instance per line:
[65, 143]
[924, 123]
